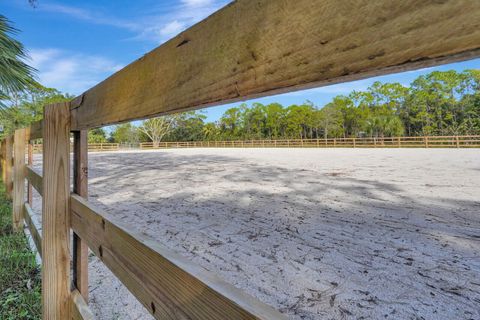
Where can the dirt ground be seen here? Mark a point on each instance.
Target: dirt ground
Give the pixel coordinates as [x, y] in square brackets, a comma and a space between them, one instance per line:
[316, 233]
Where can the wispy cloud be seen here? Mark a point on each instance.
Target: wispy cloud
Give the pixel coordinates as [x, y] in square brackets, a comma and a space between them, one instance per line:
[157, 25]
[87, 15]
[71, 72]
[161, 27]
[197, 3]
[74, 72]
[172, 28]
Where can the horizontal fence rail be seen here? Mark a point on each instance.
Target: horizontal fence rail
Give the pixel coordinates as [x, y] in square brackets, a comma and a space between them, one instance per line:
[387, 142]
[92, 147]
[174, 286]
[80, 309]
[251, 49]
[36, 130]
[103, 147]
[35, 179]
[34, 233]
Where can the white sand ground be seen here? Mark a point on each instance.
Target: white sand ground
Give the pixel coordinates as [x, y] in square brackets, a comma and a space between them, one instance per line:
[316, 233]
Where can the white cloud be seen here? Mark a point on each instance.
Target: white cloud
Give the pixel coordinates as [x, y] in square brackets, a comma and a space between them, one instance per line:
[197, 3]
[162, 27]
[38, 57]
[148, 26]
[172, 28]
[70, 72]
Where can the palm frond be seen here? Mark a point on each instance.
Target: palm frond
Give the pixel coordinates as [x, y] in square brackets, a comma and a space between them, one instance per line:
[15, 74]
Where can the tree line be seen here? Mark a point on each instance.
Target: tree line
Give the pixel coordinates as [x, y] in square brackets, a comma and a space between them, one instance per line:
[439, 103]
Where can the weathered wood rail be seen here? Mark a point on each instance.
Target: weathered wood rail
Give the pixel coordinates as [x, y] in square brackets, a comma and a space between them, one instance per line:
[247, 49]
[386, 142]
[92, 147]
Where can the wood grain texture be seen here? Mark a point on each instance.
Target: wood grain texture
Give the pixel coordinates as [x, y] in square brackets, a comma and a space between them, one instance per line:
[30, 164]
[80, 187]
[257, 48]
[37, 238]
[36, 130]
[35, 179]
[169, 286]
[18, 178]
[8, 166]
[80, 309]
[55, 213]
[2, 158]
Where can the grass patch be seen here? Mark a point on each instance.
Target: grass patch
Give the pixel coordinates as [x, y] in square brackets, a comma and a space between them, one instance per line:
[20, 279]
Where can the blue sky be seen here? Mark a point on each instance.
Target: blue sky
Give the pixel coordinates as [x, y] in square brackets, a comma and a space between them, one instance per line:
[76, 44]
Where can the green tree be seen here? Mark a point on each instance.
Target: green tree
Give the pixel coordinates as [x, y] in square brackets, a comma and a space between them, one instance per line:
[27, 106]
[331, 121]
[188, 126]
[97, 135]
[125, 133]
[211, 131]
[300, 121]
[157, 128]
[230, 123]
[275, 120]
[254, 121]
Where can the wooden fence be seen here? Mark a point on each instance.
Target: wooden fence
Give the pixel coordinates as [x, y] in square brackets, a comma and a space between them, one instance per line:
[247, 49]
[388, 142]
[92, 147]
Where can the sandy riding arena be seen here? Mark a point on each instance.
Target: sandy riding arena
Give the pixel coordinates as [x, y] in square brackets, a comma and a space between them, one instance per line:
[316, 233]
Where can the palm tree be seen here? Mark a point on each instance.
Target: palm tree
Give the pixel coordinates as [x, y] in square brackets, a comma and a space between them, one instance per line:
[15, 74]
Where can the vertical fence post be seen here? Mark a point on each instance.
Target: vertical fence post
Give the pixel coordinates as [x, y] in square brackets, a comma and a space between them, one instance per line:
[457, 140]
[80, 187]
[3, 159]
[55, 214]
[18, 178]
[426, 141]
[8, 166]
